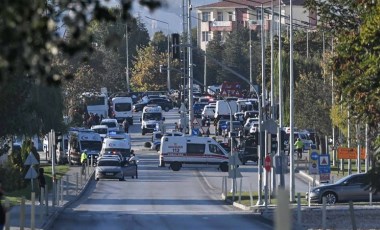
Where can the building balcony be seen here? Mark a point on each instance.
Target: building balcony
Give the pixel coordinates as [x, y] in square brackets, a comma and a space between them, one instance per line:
[222, 26]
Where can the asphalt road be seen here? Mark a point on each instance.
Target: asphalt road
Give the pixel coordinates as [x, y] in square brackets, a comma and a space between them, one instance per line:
[158, 199]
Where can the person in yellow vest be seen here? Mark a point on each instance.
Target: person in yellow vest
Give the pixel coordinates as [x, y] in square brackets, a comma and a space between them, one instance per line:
[299, 147]
[83, 161]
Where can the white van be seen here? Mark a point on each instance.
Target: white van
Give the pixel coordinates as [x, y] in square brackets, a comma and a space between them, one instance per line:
[111, 123]
[81, 139]
[122, 109]
[200, 151]
[224, 109]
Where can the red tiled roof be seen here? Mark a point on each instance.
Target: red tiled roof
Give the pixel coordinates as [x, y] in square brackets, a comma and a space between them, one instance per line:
[238, 4]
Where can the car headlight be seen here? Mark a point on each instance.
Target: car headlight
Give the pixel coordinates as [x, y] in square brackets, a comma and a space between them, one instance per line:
[317, 190]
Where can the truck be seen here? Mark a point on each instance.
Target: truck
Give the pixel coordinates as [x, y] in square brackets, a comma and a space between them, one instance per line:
[177, 151]
[122, 109]
[151, 119]
[81, 139]
[222, 109]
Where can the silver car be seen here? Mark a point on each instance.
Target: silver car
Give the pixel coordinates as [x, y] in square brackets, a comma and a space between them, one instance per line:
[352, 187]
[109, 168]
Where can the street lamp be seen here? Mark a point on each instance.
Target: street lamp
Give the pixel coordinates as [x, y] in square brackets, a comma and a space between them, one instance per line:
[168, 51]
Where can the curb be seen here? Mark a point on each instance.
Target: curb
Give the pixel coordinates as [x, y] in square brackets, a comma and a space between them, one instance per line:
[48, 223]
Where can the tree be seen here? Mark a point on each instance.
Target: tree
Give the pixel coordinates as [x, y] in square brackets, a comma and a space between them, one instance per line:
[145, 72]
[354, 26]
[160, 41]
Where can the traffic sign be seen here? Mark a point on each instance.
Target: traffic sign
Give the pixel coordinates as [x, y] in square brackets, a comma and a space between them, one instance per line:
[324, 177]
[31, 174]
[350, 153]
[31, 160]
[267, 163]
[314, 155]
[324, 164]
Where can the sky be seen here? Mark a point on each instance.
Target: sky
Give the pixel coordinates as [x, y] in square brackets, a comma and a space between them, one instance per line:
[170, 13]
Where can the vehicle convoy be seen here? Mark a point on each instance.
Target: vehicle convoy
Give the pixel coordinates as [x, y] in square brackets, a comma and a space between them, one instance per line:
[352, 187]
[151, 119]
[177, 151]
[165, 104]
[122, 109]
[81, 139]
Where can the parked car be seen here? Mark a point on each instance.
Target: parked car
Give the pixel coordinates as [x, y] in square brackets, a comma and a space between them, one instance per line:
[109, 168]
[352, 187]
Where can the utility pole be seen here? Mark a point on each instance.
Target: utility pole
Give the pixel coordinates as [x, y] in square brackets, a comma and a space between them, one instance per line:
[127, 58]
[280, 112]
[190, 51]
[291, 139]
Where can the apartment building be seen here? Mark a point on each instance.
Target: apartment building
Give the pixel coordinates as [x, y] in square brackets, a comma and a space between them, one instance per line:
[217, 19]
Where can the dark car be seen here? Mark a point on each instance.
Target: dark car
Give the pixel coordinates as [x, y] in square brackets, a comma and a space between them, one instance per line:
[165, 104]
[352, 187]
[248, 150]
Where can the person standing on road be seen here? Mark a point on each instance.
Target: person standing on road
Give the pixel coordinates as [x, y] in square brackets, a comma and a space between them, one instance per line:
[41, 183]
[299, 147]
[125, 126]
[133, 161]
[83, 161]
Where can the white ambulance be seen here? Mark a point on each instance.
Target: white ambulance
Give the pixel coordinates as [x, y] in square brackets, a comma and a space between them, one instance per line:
[192, 150]
[117, 144]
[151, 119]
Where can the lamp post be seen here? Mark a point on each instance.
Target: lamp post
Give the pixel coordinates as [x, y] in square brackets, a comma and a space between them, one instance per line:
[127, 58]
[168, 51]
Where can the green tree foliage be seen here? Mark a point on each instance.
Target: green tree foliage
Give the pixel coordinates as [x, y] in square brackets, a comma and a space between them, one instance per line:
[160, 41]
[146, 73]
[354, 26]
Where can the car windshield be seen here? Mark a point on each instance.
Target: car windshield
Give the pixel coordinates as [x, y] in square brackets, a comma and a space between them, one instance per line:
[101, 131]
[91, 145]
[109, 124]
[152, 116]
[108, 163]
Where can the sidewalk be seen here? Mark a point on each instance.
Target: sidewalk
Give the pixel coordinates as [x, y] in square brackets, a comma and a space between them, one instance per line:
[45, 215]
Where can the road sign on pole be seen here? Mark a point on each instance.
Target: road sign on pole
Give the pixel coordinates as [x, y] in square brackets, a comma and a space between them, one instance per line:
[267, 163]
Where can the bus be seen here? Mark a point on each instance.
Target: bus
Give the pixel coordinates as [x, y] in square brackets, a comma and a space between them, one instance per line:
[96, 103]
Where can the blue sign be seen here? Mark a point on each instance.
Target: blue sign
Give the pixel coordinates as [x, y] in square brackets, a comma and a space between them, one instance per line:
[196, 132]
[314, 156]
[324, 164]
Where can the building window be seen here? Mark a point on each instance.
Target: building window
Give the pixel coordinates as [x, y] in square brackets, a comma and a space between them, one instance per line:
[205, 16]
[220, 16]
[230, 16]
[205, 36]
[258, 13]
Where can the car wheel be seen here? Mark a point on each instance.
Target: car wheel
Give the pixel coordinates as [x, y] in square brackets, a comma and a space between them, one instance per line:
[331, 198]
[175, 166]
[158, 147]
[166, 109]
[243, 161]
[224, 167]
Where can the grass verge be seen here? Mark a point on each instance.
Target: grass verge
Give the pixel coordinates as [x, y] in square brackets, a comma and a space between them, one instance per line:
[15, 196]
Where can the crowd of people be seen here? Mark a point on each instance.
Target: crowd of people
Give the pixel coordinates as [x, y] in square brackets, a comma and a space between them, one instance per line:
[90, 119]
